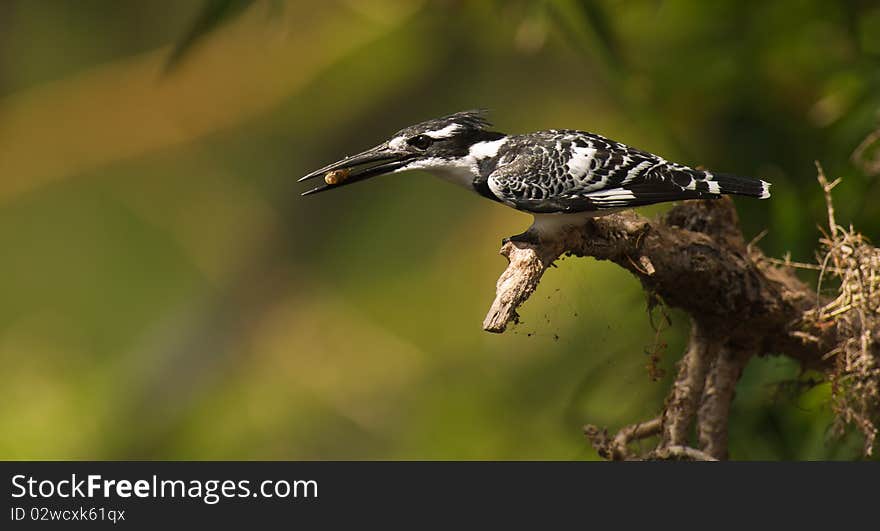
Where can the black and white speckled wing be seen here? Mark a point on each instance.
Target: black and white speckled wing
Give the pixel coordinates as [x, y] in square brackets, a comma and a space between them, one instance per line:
[573, 171]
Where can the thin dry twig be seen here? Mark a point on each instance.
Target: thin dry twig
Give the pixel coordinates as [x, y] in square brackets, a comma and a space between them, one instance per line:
[797, 265]
[615, 448]
[855, 314]
[682, 453]
[826, 189]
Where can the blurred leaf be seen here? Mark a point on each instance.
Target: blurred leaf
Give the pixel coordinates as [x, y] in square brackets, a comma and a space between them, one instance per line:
[213, 14]
[588, 28]
[80, 118]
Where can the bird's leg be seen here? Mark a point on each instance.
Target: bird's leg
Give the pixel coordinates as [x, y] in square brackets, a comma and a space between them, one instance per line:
[549, 228]
[530, 237]
[536, 234]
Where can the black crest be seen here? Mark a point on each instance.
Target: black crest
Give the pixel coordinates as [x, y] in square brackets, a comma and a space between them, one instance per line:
[474, 120]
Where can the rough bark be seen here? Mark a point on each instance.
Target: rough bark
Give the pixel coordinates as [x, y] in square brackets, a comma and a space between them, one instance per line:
[681, 405]
[740, 302]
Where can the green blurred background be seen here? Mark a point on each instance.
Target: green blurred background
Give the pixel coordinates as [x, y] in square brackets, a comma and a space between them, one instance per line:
[167, 293]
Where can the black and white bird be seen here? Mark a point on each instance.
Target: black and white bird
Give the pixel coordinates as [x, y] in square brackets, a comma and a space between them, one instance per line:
[560, 176]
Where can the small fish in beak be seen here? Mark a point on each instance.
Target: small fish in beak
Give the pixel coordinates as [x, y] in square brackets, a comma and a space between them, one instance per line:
[379, 160]
[334, 177]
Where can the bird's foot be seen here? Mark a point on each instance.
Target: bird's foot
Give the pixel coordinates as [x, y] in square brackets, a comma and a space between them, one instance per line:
[529, 237]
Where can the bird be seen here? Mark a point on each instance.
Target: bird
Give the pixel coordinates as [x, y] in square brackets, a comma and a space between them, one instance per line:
[560, 176]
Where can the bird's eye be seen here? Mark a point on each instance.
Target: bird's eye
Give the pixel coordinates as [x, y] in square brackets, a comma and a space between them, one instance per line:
[420, 141]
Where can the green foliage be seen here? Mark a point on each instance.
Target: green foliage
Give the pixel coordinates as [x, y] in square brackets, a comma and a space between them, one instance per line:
[212, 15]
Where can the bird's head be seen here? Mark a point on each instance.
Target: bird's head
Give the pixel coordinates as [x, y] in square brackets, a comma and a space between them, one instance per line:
[443, 144]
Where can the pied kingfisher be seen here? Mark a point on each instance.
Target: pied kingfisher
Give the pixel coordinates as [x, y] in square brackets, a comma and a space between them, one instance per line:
[560, 176]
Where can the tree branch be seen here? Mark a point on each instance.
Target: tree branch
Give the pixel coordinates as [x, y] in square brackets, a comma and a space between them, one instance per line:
[616, 448]
[740, 303]
[681, 405]
[717, 396]
[518, 282]
[699, 262]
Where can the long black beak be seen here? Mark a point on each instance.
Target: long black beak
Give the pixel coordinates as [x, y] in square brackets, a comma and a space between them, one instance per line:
[370, 163]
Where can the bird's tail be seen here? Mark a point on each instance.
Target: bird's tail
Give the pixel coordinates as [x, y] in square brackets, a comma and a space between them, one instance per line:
[736, 185]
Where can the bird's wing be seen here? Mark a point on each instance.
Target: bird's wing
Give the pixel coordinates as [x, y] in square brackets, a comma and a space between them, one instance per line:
[573, 171]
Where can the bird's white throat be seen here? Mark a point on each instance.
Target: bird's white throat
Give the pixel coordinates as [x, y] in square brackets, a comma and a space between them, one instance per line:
[463, 170]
